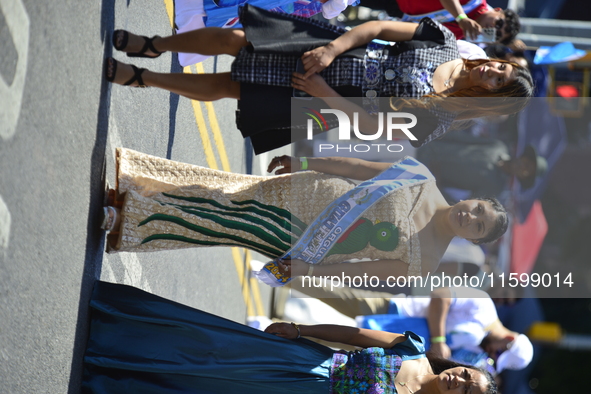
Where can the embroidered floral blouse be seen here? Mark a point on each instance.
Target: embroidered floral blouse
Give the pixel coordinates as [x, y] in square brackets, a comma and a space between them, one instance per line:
[373, 370]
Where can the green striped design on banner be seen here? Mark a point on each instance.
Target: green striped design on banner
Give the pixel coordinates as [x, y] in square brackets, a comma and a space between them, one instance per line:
[295, 221]
[278, 215]
[229, 224]
[180, 238]
[215, 216]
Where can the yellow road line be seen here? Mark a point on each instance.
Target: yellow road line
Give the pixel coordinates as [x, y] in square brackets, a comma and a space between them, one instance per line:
[169, 4]
[240, 263]
[256, 295]
[250, 286]
[215, 128]
[208, 149]
[254, 284]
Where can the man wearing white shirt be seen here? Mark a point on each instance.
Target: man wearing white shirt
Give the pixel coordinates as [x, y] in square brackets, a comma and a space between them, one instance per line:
[458, 318]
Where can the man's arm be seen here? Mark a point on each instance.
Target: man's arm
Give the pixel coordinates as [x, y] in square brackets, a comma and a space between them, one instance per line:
[470, 27]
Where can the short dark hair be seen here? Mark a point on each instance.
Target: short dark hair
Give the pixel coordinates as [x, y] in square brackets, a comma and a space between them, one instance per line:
[512, 25]
[441, 364]
[502, 221]
[497, 51]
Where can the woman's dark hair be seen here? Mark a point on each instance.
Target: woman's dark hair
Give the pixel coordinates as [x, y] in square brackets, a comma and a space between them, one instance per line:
[512, 26]
[522, 86]
[497, 51]
[441, 364]
[502, 221]
[500, 51]
[508, 99]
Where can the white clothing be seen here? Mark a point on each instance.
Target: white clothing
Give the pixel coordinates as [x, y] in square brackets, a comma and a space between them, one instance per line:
[332, 8]
[470, 51]
[188, 15]
[470, 314]
[461, 250]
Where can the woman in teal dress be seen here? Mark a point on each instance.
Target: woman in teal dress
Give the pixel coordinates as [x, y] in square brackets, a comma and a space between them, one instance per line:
[142, 343]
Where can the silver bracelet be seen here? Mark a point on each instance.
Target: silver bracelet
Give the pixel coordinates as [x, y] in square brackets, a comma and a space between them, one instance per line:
[297, 327]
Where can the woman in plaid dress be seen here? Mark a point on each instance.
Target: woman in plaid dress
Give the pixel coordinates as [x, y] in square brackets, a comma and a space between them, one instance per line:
[423, 62]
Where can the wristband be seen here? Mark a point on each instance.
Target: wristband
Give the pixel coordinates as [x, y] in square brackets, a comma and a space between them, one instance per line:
[310, 270]
[297, 327]
[460, 17]
[440, 339]
[303, 163]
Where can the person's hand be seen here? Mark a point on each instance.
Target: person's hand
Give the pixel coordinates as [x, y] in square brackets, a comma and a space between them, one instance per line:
[293, 268]
[470, 27]
[290, 164]
[317, 60]
[440, 350]
[314, 85]
[283, 330]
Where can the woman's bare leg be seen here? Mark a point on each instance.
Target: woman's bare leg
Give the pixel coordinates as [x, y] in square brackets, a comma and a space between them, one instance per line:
[206, 41]
[202, 87]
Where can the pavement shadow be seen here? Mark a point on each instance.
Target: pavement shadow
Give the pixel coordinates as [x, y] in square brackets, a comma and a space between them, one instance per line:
[248, 155]
[175, 67]
[95, 238]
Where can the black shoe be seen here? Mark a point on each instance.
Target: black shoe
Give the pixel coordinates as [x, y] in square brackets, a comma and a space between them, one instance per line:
[111, 72]
[148, 45]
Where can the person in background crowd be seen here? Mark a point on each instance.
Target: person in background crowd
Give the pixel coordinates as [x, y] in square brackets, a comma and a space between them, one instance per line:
[465, 18]
[480, 165]
[458, 319]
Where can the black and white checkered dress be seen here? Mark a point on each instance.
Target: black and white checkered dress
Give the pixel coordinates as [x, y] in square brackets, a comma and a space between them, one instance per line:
[412, 64]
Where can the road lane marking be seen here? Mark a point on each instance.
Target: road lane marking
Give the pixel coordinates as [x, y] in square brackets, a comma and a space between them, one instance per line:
[254, 284]
[133, 272]
[250, 286]
[169, 4]
[205, 140]
[243, 275]
[239, 263]
[11, 96]
[215, 128]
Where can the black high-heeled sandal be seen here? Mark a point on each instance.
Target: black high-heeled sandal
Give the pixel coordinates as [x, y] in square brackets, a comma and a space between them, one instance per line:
[148, 45]
[111, 64]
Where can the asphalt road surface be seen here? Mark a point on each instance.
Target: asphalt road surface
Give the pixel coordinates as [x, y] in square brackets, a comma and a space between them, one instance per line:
[60, 123]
